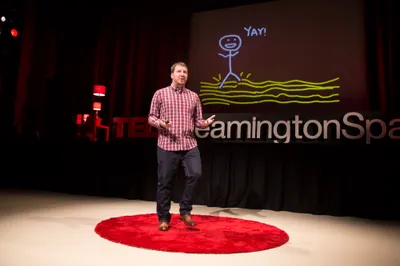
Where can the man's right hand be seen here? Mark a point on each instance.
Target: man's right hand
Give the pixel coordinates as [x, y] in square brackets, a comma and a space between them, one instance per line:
[165, 124]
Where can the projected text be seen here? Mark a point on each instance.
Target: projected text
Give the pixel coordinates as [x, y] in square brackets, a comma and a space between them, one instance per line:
[250, 31]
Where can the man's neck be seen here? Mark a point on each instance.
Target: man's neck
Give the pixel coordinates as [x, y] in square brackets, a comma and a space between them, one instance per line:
[177, 86]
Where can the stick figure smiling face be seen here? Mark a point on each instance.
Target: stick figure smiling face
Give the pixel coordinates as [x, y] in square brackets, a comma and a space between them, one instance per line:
[230, 43]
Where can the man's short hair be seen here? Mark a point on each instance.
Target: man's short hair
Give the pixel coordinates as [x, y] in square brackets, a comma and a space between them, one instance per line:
[177, 64]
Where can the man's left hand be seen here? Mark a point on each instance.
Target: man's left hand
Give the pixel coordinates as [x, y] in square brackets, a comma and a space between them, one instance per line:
[209, 120]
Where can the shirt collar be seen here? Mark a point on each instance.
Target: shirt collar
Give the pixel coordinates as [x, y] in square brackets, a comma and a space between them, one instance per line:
[176, 88]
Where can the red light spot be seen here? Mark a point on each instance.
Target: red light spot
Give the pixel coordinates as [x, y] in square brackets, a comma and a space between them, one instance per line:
[14, 32]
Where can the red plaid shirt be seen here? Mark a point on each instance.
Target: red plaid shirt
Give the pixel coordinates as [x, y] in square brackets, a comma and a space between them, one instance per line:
[182, 108]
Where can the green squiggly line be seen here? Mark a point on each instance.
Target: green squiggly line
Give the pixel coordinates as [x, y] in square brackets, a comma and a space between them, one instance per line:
[267, 90]
[264, 86]
[291, 81]
[271, 95]
[215, 85]
[221, 103]
[274, 101]
[277, 82]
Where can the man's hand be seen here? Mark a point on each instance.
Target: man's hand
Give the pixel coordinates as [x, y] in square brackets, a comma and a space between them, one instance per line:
[165, 124]
[209, 121]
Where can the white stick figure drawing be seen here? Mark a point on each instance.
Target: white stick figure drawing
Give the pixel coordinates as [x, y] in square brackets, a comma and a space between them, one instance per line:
[231, 44]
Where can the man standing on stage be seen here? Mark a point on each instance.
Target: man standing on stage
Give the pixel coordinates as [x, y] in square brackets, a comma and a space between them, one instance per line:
[175, 111]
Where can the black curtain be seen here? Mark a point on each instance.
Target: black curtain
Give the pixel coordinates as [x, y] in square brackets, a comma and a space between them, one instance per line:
[382, 55]
[351, 180]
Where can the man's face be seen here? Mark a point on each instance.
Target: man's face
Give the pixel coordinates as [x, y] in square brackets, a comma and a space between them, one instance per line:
[180, 75]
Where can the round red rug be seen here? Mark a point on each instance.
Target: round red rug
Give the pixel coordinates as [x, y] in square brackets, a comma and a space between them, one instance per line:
[212, 235]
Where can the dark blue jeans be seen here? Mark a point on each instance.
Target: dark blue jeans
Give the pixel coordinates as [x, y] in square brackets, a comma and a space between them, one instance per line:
[168, 166]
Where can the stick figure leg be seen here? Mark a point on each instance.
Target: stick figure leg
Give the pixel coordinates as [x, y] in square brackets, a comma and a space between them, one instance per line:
[223, 82]
[236, 76]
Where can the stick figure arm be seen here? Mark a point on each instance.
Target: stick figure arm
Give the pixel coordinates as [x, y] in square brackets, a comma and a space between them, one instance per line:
[223, 55]
[235, 53]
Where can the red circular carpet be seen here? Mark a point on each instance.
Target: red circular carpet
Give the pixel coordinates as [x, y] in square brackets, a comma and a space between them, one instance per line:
[212, 235]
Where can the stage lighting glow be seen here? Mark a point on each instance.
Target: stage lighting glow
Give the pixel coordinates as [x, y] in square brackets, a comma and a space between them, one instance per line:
[14, 32]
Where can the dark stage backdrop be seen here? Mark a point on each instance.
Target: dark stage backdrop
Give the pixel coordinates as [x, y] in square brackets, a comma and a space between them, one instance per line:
[130, 50]
[352, 180]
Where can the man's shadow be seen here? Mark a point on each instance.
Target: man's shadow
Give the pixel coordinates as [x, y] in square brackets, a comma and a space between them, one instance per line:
[239, 212]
